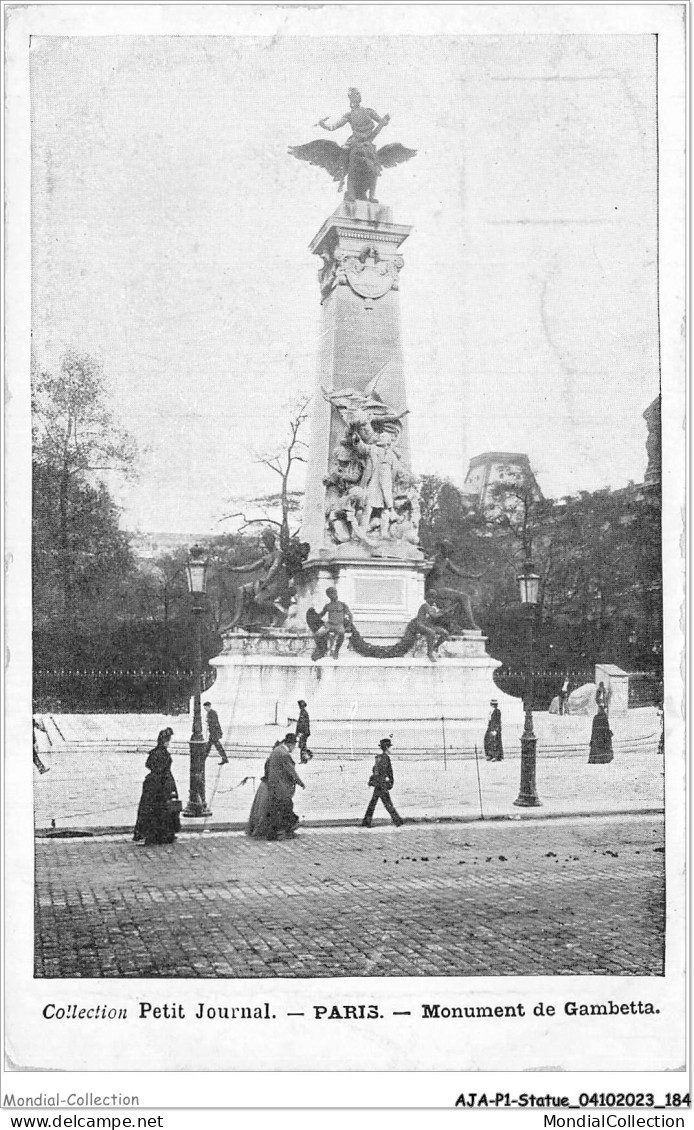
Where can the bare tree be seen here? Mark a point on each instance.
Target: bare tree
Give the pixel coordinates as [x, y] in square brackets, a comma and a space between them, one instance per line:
[281, 463]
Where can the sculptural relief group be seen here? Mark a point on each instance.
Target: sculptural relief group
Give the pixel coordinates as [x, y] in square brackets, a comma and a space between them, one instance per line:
[371, 497]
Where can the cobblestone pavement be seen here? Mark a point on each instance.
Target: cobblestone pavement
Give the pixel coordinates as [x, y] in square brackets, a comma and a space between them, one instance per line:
[531, 898]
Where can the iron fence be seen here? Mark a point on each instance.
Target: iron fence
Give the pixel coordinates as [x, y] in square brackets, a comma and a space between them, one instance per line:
[90, 690]
[546, 684]
[645, 688]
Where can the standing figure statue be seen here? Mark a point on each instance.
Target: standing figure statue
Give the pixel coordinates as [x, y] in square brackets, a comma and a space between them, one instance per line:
[357, 161]
[377, 480]
[457, 606]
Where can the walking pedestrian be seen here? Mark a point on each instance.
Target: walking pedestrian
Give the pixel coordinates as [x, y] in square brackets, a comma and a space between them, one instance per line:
[382, 780]
[158, 814]
[259, 824]
[600, 739]
[564, 696]
[303, 732]
[493, 745]
[39, 724]
[282, 779]
[214, 733]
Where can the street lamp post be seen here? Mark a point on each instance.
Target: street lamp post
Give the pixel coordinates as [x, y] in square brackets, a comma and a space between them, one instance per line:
[529, 583]
[196, 570]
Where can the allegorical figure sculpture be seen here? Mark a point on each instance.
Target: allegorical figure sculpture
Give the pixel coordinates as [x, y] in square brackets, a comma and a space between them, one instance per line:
[456, 605]
[378, 478]
[369, 493]
[272, 591]
[357, 161]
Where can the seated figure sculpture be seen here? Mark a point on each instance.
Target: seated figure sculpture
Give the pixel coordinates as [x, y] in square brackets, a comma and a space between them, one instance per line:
[427, 623]
[456, 604]
[272, 592]
[331, 635]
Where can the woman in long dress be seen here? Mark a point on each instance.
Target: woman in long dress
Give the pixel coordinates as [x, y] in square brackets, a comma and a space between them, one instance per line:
[600, 739]
[259, 824]
[158, 818]
[493, 745]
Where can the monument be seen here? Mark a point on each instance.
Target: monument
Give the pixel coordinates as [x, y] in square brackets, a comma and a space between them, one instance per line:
[363, 575]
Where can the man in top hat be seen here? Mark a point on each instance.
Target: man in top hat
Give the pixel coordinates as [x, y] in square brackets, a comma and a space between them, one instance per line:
[493, 748]
[282, 779]
[214, 733]
[303, 731]
[382, 781]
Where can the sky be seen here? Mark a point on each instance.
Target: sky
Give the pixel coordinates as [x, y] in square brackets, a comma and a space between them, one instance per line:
[170, 232]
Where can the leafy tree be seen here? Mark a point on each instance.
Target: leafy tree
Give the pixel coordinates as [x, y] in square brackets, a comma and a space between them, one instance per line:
[597, 556]
[80, 556]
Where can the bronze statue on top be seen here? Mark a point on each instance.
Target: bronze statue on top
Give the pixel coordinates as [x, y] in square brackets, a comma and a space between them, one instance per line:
[357, 161]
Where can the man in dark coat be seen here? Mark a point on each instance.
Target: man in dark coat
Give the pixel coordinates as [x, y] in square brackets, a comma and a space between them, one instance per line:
[493, 747]
[303, 732]
[382, 781]
[214, 733]
[282, 779]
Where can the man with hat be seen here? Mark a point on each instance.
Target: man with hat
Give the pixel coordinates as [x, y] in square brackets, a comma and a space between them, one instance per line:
[282, 779]
[493, 748]
[214, 733]
[382, 781]
[303, 731]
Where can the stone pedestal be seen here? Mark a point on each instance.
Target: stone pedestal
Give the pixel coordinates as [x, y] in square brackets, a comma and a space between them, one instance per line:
[383, 596]
[260, 678]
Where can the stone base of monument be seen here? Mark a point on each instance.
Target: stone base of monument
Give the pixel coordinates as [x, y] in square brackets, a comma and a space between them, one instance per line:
[383, 594]
[260, 678]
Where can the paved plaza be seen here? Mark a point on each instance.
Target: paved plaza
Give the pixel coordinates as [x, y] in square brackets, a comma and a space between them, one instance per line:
[541, 897]
[95, 785]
